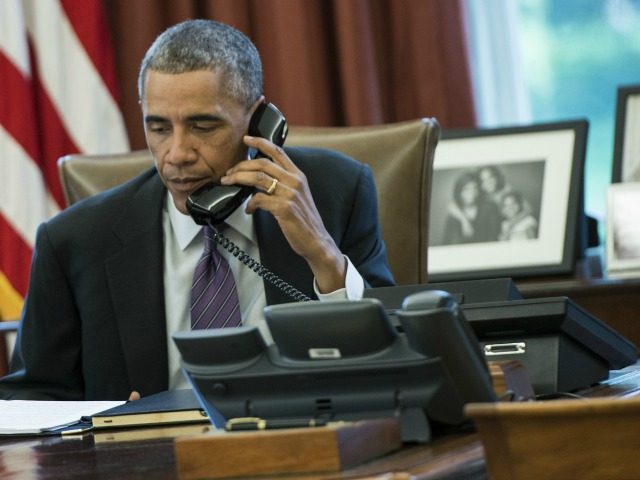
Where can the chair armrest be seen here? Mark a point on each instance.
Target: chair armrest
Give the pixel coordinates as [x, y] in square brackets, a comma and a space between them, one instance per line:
[9, 326]
[6, 327]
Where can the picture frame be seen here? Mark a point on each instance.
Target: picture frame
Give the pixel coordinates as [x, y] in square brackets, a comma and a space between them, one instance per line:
[538, 227]
[623, 230]
[626, 146]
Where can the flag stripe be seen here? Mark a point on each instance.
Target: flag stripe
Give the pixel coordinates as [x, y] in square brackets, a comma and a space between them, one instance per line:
[56, 139]
[76, 90]
[17, 110]
[12, 40]
[23, 121]
[88, 21]
[25, 201]
[10, 300]
[57, 96]
[13, 255]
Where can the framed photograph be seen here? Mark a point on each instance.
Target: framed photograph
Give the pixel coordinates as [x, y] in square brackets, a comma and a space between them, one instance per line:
[626, 147]
[507, 202]
[623, 230]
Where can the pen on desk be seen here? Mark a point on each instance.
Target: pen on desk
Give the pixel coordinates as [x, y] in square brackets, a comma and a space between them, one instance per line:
[76, 431]
[254, 423]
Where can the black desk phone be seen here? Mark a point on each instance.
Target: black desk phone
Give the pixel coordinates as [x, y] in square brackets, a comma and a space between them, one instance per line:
[212, 203]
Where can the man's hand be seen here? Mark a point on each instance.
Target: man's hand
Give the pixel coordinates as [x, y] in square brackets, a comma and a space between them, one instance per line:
[134, 396]
[284, 192]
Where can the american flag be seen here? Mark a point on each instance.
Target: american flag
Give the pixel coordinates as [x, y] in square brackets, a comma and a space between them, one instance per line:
[58, 96]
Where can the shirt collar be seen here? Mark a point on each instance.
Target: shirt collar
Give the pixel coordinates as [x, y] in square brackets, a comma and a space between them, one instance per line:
[186, 229]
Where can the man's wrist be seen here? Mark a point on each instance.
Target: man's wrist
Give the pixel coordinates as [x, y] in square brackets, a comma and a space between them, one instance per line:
[353, 288]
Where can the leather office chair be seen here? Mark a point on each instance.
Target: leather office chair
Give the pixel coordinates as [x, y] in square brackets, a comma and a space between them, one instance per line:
[400, 156]
[84, 175]
[7, 327]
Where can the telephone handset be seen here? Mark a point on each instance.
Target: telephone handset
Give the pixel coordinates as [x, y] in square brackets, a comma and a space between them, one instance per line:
[211, 204]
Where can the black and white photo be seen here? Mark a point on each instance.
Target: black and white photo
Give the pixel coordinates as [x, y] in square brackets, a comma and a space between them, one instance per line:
[506, 202]
[490, 203]
[626, 151]
[623, 230]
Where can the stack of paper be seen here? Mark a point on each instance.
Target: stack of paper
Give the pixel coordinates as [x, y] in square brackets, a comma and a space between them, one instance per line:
[36, 417]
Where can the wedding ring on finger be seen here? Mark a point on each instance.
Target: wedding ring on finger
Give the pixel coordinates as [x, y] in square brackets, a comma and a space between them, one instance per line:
[272, 187]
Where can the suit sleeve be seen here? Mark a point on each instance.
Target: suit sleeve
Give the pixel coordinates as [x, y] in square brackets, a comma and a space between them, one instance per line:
[46, 358]
[363, 242]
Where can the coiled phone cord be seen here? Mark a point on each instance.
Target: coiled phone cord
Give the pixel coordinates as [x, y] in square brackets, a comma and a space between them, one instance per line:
[257, 267]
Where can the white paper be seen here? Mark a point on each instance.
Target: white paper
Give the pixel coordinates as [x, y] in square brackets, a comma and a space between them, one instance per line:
[34, 416]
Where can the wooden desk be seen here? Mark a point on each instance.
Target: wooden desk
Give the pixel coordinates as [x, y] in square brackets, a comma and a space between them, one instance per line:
[455, 456]
[458, 456]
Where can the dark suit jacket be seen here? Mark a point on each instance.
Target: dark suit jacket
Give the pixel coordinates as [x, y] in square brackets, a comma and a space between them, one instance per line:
[94, 324]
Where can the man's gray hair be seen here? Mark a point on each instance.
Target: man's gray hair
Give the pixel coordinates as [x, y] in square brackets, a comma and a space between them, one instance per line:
[207, 45]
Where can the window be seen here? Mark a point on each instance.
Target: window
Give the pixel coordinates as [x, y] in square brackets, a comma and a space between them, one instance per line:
[550, 60]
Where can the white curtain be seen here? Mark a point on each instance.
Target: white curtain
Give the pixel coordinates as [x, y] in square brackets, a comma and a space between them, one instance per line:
[499, 81]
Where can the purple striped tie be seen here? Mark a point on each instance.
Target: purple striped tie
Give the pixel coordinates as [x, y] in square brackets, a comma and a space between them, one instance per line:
[214, 299]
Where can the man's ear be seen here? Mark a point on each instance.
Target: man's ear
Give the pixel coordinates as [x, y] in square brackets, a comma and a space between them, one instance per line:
[260, 100]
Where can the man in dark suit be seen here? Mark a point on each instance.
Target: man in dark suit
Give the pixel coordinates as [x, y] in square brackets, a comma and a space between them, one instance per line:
[111, 275]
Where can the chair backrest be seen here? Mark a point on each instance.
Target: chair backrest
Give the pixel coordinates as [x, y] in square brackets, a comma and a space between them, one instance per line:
[400, 156]
[85, 175]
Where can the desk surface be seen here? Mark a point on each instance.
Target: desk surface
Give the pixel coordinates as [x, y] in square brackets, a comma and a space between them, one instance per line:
[455, 456]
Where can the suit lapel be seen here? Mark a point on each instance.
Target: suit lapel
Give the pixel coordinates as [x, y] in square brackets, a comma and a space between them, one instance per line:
[135, 276]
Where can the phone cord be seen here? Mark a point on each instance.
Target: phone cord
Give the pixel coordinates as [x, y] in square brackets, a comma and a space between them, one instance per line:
[260, 269]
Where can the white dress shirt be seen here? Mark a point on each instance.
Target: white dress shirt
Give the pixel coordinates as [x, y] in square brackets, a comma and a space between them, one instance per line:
[183, 246]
